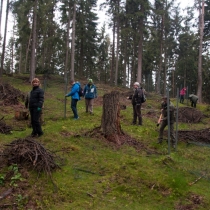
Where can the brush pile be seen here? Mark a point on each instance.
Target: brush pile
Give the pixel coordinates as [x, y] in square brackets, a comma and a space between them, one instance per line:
[5, 129]
[31, 154]
[189, 115]
[9, 95]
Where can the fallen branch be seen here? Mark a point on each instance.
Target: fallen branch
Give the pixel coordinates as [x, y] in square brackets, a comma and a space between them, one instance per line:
[83, 170]
[196, 180]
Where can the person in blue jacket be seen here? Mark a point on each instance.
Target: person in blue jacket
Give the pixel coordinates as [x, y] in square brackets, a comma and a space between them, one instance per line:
[90, 92]
[74, 93]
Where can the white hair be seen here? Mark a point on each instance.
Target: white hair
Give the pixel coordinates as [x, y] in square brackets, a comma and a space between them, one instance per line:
[136, 83]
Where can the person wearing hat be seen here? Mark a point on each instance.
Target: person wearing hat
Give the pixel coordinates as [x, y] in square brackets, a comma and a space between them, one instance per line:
[90, 93]
[164, 120]
[136, 102]
[193, 98]
[74, 93]
[36, 100]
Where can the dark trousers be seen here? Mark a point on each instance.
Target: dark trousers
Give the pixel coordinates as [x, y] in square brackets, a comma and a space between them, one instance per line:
[193, 103]
[137, 114]
[35, 121]
[164, 123]
[74, 107]
[181, 99]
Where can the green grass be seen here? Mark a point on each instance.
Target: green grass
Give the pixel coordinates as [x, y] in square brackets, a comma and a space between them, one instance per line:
[98, 176]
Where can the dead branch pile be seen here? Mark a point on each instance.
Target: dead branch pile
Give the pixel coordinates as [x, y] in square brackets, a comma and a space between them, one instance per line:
[5, 129]
[197, 136]
[9, 95]
[189, 115]
[30, 153]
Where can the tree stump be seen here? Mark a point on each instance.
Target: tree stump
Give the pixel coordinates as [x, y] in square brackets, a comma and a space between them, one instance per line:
[110, 122]
[21, 115]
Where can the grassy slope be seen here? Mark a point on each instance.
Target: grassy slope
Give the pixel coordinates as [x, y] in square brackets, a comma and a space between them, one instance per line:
[96, 176]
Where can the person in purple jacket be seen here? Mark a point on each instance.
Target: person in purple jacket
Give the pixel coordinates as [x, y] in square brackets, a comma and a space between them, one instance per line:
[74, 93]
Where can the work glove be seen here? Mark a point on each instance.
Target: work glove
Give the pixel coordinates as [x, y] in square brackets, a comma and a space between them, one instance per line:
[39, 109]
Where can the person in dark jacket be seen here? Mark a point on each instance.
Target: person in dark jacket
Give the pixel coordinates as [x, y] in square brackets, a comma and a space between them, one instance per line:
[164, 120]
[27, 106]
[36, 101]
[90, 92]
[74, 93]
[136, 102]
[194, 99]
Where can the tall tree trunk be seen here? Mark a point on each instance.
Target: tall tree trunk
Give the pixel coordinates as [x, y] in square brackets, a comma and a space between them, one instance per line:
[73, 42]
[1, 7]
[201, 26]
[117, 50]
[67, 44]
[20, 60]
[140, 46]
[113, 55]
[33, 47]
[125, 78]
[165, 57]
[12, 54]
[160, 59]
[27, 52]
[126, 60]
[4, 42]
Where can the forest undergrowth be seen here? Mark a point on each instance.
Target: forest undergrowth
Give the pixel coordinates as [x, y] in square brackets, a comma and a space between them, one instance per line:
[95, 173]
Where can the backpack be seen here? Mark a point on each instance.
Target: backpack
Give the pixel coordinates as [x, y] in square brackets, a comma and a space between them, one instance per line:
[143, 98]
[81, 94]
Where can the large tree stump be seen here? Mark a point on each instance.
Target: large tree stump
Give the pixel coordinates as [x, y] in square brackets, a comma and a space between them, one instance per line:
[110, 122]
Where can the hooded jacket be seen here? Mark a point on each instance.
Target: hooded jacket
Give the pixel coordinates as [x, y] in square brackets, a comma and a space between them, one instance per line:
[90, 91]
[74, 93]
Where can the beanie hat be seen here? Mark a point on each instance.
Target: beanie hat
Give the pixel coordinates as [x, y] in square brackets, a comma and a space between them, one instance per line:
[90, 81]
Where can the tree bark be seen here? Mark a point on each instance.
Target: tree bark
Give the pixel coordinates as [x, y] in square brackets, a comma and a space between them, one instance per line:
[73, 42]
[4, 42]
[201, 25]
[33, 47]
[1, 7]
[113, 54]
[67, 43]
[117, 50]
[110, 122]
[140, 47]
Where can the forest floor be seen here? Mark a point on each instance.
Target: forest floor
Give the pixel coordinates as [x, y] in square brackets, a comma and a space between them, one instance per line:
[29, 180]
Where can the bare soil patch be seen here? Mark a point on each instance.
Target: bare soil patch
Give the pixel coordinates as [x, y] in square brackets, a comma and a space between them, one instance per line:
[193, 203]
[202, 135]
